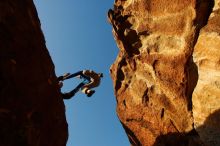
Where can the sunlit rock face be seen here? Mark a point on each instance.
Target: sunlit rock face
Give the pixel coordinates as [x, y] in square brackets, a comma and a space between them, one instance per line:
[166, 75]
[206, 96]
[31, 109]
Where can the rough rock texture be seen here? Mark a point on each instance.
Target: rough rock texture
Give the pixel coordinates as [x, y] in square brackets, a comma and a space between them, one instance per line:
[206, 96]
[31, 110]
[166, 76]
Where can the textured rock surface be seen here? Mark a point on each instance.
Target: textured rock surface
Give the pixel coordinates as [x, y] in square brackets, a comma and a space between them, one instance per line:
[31, 110]
[166, 50]
[206, 96]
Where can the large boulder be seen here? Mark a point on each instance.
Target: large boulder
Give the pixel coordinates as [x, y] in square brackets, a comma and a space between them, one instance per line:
[166, 75]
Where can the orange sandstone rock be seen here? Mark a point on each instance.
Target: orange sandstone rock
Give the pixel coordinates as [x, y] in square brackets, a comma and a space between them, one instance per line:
[157, 70]
[206, 96]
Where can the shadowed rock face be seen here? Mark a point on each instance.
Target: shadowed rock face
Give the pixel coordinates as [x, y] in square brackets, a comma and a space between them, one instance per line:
[31, 110]
[166, 76]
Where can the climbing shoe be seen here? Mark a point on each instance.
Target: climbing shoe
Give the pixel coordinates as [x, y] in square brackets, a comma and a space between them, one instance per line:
[90, 93]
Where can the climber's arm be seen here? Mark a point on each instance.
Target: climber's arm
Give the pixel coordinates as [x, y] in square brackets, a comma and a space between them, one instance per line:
[74, 75]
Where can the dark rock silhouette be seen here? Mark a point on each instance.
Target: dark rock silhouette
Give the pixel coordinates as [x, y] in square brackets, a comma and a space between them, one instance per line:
[32, 112]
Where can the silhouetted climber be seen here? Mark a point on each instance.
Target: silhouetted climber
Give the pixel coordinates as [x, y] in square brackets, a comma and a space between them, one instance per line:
[95, 79]
[91, 80]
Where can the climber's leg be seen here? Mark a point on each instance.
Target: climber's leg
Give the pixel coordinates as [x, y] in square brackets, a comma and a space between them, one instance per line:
[88, 91]
[78, 87]
[73, 92]
[67, 95]
[84, 90]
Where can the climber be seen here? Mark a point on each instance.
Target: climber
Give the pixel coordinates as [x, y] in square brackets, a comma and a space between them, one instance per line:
[91, 80]
[94, 78]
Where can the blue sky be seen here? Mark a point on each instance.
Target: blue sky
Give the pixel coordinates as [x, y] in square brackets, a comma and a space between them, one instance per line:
[79, 37]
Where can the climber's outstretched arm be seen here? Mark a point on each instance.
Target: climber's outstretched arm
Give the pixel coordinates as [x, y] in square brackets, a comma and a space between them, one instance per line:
[74, 75]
